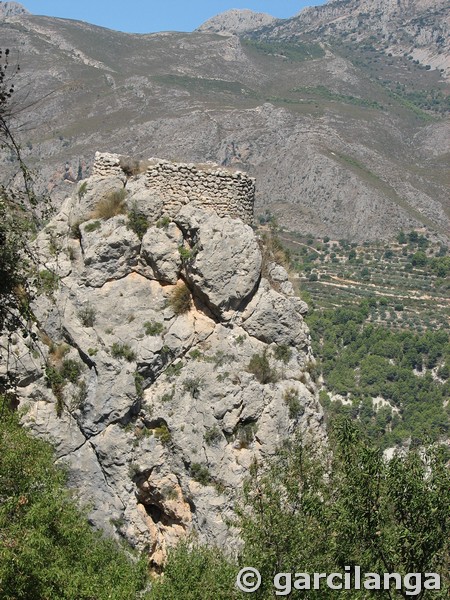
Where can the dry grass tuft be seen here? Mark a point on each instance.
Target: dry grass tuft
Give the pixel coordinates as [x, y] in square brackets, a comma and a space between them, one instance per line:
[111, 205]
[131, 166]
[180, 299]
[57, 352]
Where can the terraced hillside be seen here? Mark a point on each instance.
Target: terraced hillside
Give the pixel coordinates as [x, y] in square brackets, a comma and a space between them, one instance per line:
[407, 284]
[380, 325]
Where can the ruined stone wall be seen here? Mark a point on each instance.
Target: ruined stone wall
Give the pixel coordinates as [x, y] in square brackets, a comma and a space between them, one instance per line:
[226, 192]
[107, 165]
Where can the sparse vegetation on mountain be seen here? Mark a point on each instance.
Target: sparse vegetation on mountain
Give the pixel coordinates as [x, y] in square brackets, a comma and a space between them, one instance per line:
[261, 368]
[92, 226]
[293, 51]
[125, 351]
[87, 315]
[153, 328]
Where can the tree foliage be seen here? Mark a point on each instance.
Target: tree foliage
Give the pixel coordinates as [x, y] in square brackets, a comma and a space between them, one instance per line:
[365, 361]
[47, 548]
[193, 572]
[313, 512]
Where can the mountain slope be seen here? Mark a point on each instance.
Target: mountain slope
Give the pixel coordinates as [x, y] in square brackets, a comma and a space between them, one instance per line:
[420, 28]
[330, 129]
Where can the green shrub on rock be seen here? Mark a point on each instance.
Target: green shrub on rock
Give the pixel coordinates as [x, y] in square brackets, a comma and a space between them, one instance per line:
[123, 351]
[137, 221]
[48, 549]
[259, 365]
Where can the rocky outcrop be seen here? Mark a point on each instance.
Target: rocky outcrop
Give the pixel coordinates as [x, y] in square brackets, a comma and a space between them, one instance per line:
[12, 9]
[272, 318]
[236, 21]
[166, 364]
[160, 252]
[227, 261]
[110, 250]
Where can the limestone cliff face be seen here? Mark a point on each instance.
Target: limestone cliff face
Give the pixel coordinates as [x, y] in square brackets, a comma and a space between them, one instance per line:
[172, 361]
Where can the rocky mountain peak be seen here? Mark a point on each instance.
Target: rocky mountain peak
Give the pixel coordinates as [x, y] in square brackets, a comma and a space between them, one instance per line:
[416, 28]
[12, 9]
[236, 21]
[378, 15]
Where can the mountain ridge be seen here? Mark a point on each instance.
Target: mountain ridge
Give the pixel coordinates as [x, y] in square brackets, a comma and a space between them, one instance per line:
[344, 140]
[419, 28]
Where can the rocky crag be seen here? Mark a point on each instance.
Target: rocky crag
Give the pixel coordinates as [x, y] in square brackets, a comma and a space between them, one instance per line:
[12, 9]
[170, 357]
[236, 21]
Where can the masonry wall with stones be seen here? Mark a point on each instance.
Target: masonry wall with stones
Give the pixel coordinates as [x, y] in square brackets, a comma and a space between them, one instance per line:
[107, 165]
[226, 192]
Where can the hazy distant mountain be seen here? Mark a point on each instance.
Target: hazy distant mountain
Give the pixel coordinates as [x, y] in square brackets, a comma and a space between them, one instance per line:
[346, 135]
[236, 21]
[11, 9]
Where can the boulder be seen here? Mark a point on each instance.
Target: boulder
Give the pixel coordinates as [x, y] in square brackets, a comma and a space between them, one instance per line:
[274, 318]
[225, 267]
[279, 276]
[110, 250]
[160, 256]
[88, 194]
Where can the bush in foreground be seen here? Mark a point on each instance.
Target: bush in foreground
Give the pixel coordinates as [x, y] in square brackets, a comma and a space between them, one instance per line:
[48, 549]
[194, 573]
[316, 513]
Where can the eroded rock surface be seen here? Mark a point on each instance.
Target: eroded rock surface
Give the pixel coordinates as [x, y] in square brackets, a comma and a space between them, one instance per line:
[226, 265]
[154, 406]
